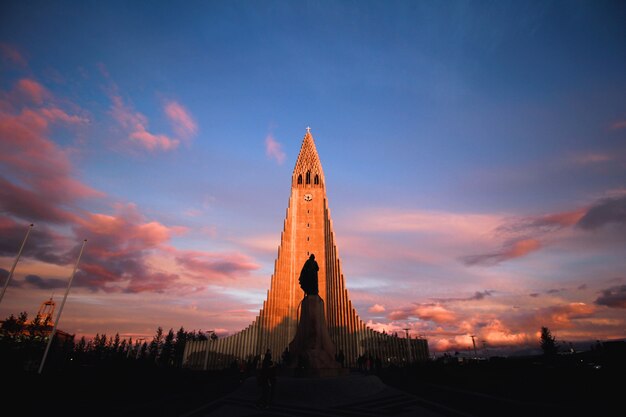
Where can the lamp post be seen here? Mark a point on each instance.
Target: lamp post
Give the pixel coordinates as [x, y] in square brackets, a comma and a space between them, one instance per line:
[17, 258]
[56, 322]
[474, 343]
[408, 346]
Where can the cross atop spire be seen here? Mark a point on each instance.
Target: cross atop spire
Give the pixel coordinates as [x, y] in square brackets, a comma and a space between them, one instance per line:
[308, 129]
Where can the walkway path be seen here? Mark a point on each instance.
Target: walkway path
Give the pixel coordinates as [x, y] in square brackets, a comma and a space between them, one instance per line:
[348, 396]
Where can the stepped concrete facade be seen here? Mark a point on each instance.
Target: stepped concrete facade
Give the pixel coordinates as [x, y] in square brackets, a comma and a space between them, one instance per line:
[308, 229]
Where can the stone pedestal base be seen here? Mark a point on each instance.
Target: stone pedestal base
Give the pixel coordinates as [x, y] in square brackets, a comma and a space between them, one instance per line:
[312, 351]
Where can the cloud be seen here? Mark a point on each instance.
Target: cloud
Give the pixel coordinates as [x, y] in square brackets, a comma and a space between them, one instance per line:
[561, 316]
[605, 211]
[273, 149]
[620, 124]
[387, 220]
[510, 250]
[182, 122]
[10, 54]
[210, 266]
[32, 91]
[537, 225]
[45, 284]
[41, 183]
[376, 308]
[614, 297]
[136, 125]
[477, 296]
[592, 158]
[431, 312]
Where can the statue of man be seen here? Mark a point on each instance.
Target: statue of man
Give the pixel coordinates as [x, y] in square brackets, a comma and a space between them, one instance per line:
[308, 276]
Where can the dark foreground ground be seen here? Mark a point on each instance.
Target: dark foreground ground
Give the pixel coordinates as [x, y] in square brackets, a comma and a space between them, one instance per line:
[524, 388]
[498, 388]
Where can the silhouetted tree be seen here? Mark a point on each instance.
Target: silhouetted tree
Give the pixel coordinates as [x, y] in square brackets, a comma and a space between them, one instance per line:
[156, 344]
[179, 346]
[115, 344]
[81, 346]
[167, 351]
[548, 342]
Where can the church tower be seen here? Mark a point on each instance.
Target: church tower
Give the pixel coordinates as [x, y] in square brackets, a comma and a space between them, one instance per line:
[307, 230]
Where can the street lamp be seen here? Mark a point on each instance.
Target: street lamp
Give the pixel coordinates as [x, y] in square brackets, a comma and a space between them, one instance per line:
[474, 343]
[408, 346]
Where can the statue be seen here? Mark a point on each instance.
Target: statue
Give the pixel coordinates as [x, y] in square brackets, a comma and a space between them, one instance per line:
[312, 350]
[308, 276]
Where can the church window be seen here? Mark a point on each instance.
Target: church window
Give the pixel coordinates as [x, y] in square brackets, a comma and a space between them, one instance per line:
[300, 179]
[316, 180]
[308, 177]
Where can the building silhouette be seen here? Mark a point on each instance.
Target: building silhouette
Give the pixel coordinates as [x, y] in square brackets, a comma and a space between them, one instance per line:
[308, 229]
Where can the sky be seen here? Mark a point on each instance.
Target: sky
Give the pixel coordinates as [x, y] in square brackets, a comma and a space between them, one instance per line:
[474, 155]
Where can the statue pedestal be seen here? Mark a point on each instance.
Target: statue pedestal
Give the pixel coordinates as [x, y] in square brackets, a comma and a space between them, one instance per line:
[312, 351]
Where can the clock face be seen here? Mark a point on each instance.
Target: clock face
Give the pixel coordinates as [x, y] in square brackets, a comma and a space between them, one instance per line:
[308, 197]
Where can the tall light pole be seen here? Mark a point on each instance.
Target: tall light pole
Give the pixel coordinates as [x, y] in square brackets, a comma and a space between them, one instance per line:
[474, 343]
[408, 345]
[56, 322]
[17, 258]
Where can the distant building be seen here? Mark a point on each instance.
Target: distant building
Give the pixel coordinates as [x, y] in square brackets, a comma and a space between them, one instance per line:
[308, 229]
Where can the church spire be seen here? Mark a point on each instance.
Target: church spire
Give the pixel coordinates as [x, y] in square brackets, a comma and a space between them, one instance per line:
[308, 170]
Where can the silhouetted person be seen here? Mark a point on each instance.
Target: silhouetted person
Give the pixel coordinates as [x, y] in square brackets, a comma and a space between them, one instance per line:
[308, 276]
[340, 357]
[267, 380]
[286, 356]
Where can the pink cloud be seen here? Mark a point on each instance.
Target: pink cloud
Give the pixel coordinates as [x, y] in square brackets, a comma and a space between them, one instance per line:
[10, 53]
[376, 308]
[273, 149]
[32, 91]
[592, 158]
[511, 250]
[182, 122]
[620, 124]
[211, 266]
[431, 312]
[152, 142]
[43, 179]
[136, 124]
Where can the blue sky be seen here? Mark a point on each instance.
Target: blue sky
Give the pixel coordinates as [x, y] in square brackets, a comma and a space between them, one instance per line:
[469, 148]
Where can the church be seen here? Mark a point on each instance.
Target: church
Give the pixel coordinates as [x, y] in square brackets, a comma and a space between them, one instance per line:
[308, 229]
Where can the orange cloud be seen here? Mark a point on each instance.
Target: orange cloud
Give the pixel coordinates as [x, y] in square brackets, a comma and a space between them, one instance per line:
[432, 312]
